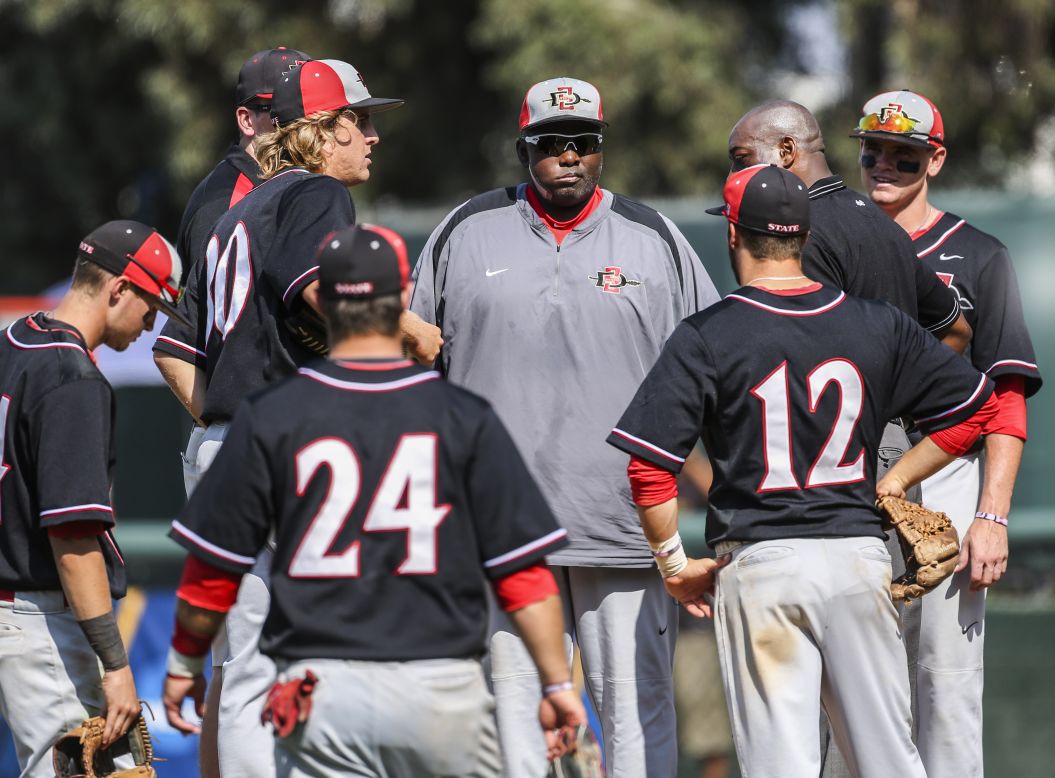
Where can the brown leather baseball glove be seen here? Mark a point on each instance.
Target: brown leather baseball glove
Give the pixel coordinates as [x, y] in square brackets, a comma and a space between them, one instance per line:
[929, 542]
[79, 753]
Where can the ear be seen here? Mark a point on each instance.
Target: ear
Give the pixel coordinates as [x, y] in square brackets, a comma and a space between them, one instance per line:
[522, 152]
[404, 296]
[244, 120]
[789, 152]
[937, 161]
[118, 286]
[732, 237]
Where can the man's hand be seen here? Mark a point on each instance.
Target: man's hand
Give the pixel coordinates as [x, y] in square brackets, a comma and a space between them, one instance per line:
[561, 714]
[984, 547]
[120, 703]
[890, 486]
[175, 692]
[422, 339]
[697, 579]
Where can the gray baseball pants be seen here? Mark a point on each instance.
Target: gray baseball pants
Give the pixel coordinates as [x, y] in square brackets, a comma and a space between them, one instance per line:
[426, 719]
[625, 625]
[806, 624]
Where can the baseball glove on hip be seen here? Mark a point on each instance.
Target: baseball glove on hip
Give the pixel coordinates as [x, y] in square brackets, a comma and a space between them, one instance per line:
[79, 753]
[929, 542]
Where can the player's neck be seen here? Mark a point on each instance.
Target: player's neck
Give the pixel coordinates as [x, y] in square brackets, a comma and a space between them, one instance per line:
[372, 346]
[913, 215]
[773, 274]
[81, 312]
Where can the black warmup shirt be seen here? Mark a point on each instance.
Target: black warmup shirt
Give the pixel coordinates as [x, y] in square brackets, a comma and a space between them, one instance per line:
[791, 401]
[392, 494]
[231, 180]
[856, 247]
[978, 269]
[57, 455]
[260, 258]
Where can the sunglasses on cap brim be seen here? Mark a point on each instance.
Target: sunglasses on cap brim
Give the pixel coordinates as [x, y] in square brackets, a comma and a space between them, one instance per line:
[555, 143]
[895, 123]
[168, 306]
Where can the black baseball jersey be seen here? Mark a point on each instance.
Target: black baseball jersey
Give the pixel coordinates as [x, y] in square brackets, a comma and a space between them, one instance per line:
[856, 247]
[56, 450]
[259, 259]
[790, 393]
[231, 180]
[391, 493]
[978, 269]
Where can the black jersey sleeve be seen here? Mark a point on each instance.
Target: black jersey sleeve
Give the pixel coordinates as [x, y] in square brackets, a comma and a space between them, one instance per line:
[932, 384]
[936, 302]
[309, 211]
[514, 526]
[228, 517]
[181, 340]
[1001, 343]
[73, 428]
[663, 421]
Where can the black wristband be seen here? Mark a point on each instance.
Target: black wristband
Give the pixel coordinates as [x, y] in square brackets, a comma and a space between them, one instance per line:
[105, 640]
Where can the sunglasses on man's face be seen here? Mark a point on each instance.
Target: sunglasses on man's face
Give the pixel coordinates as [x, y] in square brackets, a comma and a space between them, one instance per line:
[555, 144]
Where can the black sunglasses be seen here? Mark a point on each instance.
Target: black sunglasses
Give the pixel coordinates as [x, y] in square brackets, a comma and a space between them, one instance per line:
[555, 144]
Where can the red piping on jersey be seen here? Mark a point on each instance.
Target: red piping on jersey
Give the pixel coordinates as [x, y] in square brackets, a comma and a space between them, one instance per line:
[649, 446]
[964, 404]
[354, 386]
[942, 239]
[525, 587]
[782, 312]
[1019, 362]
[795, 292]
[25, 346]
[110, 537]
[184, 346]
[77, 509]
[650, 484]
[925, 228]
[242, 186]
[527, 548]
[298, 279]
[211, 548]
[560, 229]
[391, 365]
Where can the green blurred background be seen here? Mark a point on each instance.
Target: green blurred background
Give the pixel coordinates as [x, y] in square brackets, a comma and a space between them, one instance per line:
[117, 108]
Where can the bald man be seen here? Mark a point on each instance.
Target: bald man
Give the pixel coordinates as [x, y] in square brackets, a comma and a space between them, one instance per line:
[853, 246]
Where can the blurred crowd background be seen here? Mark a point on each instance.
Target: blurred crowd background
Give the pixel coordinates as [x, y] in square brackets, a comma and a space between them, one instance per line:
[117, 108]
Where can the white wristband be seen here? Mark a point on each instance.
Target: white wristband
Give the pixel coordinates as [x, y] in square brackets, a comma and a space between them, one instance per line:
[184, 666]
[670, 556]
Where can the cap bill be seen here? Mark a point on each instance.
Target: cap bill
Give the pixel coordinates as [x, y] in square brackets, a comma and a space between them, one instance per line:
[897, 137]
[377, 104]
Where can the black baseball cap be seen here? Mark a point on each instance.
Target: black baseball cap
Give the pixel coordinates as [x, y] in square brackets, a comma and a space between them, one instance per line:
[140, 253]
[766, 198]
[362, 262]
[324, 85]
[260, 73]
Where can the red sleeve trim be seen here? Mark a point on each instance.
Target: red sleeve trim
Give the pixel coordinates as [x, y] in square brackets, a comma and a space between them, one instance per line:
[189, 644]
[77, 529]
[1011, 417]
[650, 484]
[205, 586]
[524, 587]
[958, 439]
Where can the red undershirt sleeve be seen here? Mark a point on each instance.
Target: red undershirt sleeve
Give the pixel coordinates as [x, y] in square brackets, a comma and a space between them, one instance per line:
[649, 484]
[208, 587]
[77, 529]
[524, 587]
[958, 439]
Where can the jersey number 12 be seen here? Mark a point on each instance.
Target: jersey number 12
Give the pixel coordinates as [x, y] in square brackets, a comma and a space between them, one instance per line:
[405, 500]
[828, 468]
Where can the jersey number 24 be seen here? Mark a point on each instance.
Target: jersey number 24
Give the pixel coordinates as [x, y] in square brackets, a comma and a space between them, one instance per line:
[828, 468]
[411, 474]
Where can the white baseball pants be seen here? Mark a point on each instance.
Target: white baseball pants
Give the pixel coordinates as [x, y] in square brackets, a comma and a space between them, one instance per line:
[804, 624]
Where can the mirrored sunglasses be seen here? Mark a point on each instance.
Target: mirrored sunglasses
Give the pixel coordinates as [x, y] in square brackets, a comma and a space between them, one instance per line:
[555, 144]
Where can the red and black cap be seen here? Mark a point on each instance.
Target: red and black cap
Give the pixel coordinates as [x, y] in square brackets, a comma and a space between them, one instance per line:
[362, 262]
[260, 73]
[324, 85]
[140, 254]
[903, 116]
[766, 198]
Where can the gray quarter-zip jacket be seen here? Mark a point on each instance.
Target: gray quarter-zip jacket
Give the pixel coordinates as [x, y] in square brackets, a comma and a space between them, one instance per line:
[558, 339]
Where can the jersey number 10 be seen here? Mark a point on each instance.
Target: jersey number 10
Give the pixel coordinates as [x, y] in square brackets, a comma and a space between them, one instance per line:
[828, 468]
[411, 473]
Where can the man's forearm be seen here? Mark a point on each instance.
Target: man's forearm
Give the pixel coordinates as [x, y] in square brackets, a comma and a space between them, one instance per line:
[958, 336]
[1003, 455]
[541, 627]
[186, 381]
[202, 622]
[659, 522]
[921, 461]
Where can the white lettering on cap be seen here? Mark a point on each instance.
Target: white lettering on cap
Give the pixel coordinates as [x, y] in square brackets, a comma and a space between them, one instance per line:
[362, 287]
[783, 227]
